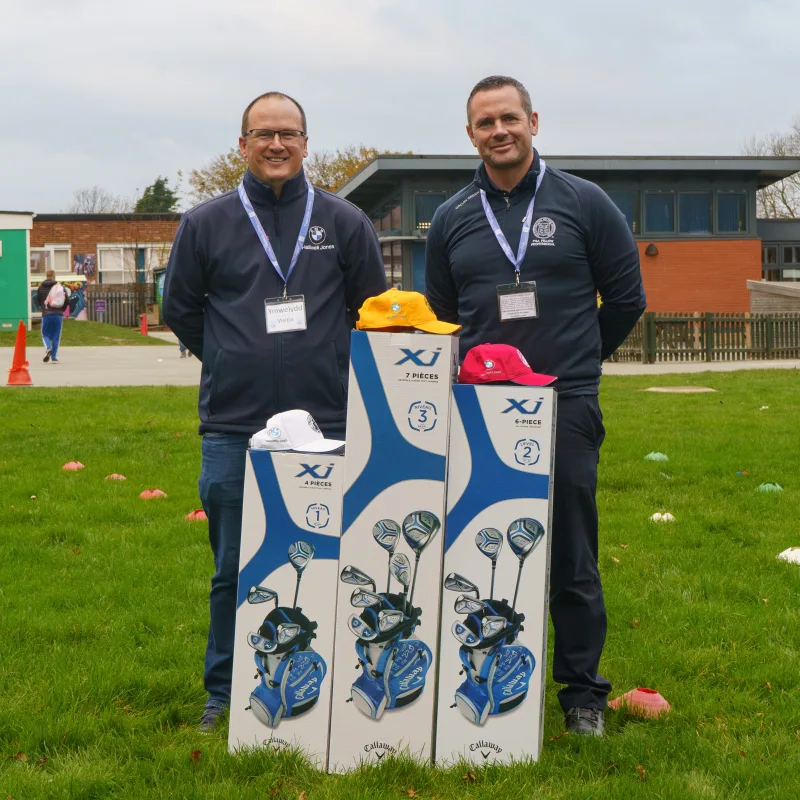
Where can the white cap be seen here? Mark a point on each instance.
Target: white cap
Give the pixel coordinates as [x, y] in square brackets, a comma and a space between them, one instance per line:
[293, 430]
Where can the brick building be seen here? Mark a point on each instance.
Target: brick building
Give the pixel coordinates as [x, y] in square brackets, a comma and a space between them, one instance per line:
[694, 219]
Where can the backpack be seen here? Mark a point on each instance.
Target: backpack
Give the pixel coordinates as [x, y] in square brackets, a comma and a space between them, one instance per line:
[56, 297]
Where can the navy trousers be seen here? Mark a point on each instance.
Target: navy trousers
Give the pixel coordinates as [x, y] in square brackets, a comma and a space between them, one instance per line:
[576, 595]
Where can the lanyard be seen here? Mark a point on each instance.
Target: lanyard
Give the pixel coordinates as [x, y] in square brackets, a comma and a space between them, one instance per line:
[264, 239]
[526, 225]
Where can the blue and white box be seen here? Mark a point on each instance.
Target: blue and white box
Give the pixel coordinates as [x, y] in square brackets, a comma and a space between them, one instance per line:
[288, 573]
[492, 658]
[387, 616]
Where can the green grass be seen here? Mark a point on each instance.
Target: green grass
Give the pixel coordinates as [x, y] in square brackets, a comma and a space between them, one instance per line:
[103, 607]
[82, 333]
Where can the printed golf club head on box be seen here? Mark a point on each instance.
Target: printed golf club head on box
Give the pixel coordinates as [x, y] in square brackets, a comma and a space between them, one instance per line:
[494, 604]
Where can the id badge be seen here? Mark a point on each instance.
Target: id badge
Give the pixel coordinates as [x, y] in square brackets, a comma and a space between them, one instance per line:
[285, 314]
[517, 301]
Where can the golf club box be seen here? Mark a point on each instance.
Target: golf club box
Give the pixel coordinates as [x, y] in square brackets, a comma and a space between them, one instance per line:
[492, 658]
[392, 536]
[283, 650]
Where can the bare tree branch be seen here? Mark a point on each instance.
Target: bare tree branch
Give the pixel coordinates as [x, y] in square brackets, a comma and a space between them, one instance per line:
[782, 199]
[97, 200]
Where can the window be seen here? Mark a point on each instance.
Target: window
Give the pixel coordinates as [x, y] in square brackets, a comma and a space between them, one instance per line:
[51, 256]
[732, 212]
[695, 212]
[121, 263]
[425, 204]
[791, 275]
[388, 218]
[393, 262]
[791, 254]
[628, 203]
[769, 254]
[659, 212]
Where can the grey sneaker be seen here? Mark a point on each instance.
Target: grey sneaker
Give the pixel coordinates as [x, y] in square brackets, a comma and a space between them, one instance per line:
[586, 721]
[212, 717]
[54, 361]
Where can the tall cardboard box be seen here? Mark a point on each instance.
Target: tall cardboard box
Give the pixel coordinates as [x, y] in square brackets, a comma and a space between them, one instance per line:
[395, 473]
[282, 698]
[492, 660]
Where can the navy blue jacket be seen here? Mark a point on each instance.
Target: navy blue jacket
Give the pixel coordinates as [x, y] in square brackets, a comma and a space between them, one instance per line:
[218, 278]
[580, 245]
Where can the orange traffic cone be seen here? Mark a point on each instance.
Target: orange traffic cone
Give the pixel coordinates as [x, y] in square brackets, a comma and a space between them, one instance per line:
[18, 375]
[143, 325]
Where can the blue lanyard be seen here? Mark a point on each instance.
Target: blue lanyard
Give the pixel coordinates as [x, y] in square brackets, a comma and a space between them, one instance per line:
[264, 239]
[526, 225]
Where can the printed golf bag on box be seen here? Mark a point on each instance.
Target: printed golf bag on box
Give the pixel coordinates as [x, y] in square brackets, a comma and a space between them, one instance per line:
[394, 664]
[290, 672]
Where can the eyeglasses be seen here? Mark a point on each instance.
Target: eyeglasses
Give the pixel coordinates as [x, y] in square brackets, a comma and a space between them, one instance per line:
[266, 135]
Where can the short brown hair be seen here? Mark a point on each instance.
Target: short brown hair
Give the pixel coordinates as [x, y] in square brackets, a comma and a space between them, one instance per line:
[499, 82]
[50, 275]
[245, 121]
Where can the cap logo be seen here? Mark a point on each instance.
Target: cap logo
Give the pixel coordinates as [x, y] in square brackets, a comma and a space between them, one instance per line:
[274, 431]
[395, 307]
[522, 359]
[488, 364]
[312, 423]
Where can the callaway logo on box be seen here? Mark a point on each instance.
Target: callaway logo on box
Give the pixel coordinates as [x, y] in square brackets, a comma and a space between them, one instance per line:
[391, 552]
[288, 577]
[494, 607]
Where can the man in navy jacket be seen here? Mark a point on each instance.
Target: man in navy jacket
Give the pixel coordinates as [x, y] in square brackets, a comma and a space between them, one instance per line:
[263, 285]
[518, 257]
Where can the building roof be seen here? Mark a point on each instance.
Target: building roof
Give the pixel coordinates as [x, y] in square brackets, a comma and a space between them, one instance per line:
[170, 216]
[21, 213]
[383, 172]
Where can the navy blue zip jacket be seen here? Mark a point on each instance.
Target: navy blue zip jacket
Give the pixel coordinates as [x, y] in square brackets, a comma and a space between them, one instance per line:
[218, 278]
[579, 244]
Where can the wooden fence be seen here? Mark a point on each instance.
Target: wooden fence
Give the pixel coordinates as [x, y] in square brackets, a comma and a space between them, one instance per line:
[711, 337]
[118, 304]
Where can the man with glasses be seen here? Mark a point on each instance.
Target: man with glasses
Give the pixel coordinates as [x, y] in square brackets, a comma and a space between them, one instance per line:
[517, 257]
[263, 285]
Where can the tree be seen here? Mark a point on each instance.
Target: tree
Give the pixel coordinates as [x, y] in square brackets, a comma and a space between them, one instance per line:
[782, 199]
[326, 169]
[97, 200]
[157, 197]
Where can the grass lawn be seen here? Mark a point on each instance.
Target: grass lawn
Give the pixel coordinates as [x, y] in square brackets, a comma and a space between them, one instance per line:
[82, 333]
[103, 607]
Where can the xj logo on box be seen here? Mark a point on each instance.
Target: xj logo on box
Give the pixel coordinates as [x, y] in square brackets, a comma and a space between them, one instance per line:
[319, 471]
[418, 357]
[522, 406]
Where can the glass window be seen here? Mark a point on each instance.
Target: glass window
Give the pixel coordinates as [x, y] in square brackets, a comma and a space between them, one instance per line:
[111, 268]
[425, 204]
[791, 255]
[389, 217]
[791, 275]
[695, 212]
[628, 203]
[61, 261]
[40, 261]
[659, 212]
[732, 212]
[769, 254]
[392, 253]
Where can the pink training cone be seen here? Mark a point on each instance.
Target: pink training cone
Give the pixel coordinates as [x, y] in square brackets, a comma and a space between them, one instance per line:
[197, 515]
[115, 476]
[72, 466]
[151, 494]
[642, 702]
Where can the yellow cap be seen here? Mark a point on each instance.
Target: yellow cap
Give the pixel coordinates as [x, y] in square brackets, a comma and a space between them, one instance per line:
[396, 309]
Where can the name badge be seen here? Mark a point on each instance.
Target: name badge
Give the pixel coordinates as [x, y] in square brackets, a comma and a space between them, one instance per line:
[517, 302]
[285, 314]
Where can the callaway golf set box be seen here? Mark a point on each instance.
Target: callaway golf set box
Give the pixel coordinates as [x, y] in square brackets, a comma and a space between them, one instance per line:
[496, 564]
[288, 573]
[387, 615]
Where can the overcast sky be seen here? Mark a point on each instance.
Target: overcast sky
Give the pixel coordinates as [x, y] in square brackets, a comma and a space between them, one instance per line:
[115, 93]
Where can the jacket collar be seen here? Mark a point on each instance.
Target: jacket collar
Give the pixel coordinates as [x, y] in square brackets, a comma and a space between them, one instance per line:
[260, 193]
[528, 180]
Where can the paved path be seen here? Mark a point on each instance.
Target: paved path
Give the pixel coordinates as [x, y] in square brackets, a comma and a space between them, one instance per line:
[163, 366]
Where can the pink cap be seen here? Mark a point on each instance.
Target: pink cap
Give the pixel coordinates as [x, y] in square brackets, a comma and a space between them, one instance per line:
[491, 363]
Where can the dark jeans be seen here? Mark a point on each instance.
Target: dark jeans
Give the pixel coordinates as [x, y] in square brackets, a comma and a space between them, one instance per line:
[576, 596]
[221, 489]
[51, 332]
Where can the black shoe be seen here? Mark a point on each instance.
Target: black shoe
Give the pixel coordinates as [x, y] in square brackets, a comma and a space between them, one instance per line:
[47, 356]
[212, 717]
[586, 721]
